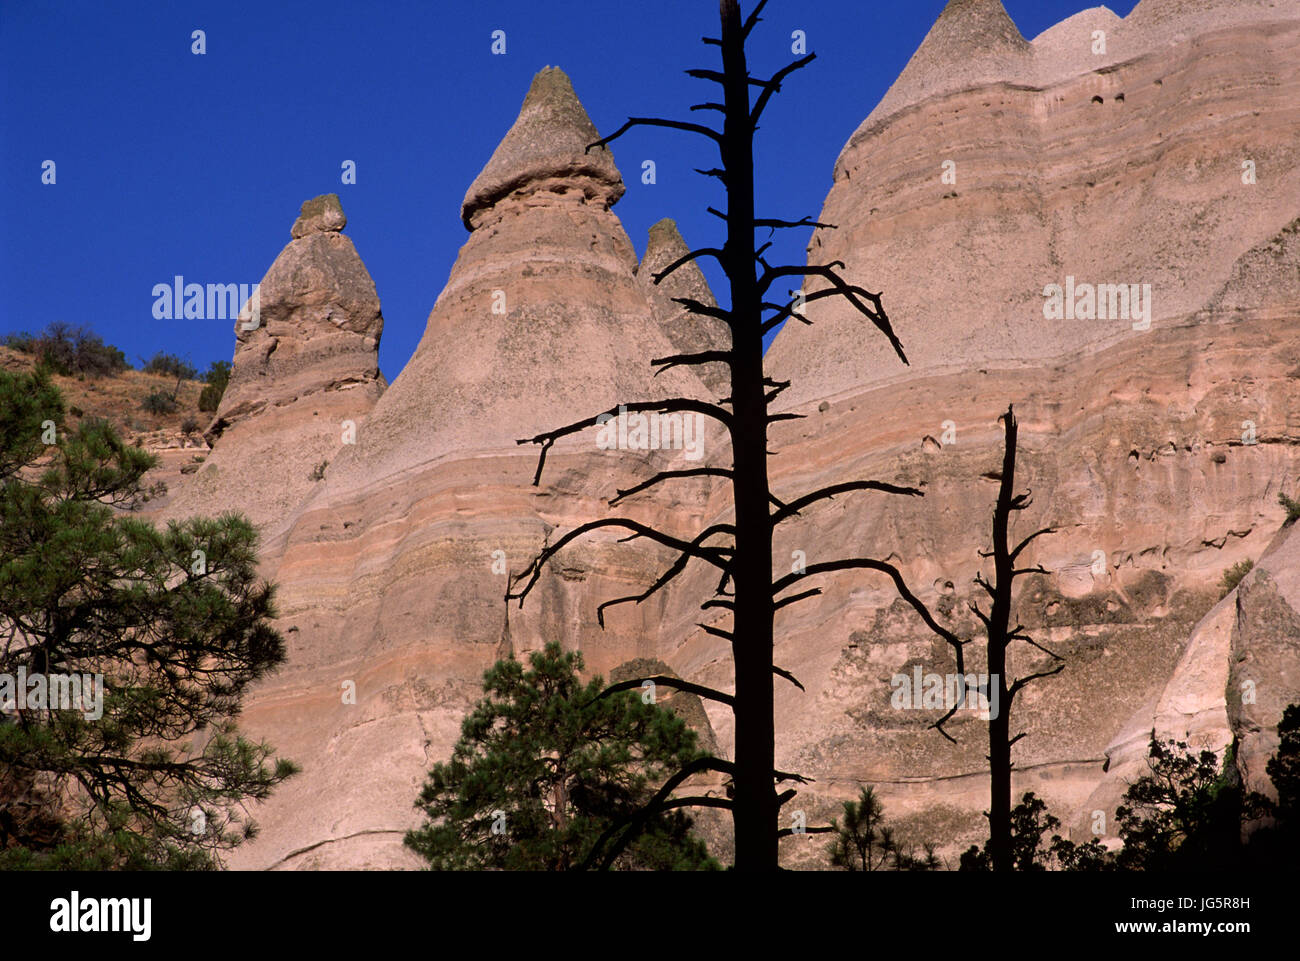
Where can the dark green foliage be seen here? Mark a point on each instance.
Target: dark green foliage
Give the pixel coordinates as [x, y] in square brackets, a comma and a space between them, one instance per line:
[1233, 575]
[544, 766]
[1029, 822]
[1277, 845]
[175, 620]
[1187, 813]
[1283, 768]
[217, 377]
[169, 365]
[863, 843]
[159, 402]
[1292, 507]
[189, 426]
[70, 350]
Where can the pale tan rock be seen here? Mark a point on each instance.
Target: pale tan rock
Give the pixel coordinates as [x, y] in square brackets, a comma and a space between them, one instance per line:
[393, 574]
[305, 374]
[689, 332]
[1133, 441]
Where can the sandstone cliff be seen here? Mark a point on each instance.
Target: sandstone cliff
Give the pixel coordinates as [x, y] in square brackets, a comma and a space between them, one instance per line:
[994, 168]
[393, 574]
[1157, 449]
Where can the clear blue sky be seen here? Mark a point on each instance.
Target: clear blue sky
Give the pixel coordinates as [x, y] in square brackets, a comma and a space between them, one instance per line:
[172, 163]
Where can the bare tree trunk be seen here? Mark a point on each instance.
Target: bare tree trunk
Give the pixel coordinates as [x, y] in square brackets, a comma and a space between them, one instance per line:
[755, 810]
[999, 623]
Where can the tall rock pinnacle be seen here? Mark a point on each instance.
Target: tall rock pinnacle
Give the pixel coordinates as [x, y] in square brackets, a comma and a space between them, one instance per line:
[546, 146]
[394, 573]
[305, 373]
[689, 332]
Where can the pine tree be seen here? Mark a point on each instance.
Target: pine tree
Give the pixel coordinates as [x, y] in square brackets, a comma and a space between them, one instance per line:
[859, 844]
[175, 621]
[545, 765]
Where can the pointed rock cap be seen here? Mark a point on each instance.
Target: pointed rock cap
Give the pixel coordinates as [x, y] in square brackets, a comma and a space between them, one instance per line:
[664, 245]
[689, 332]
[323, 214]
[972, 42]
[548, 140]
[1067, 49]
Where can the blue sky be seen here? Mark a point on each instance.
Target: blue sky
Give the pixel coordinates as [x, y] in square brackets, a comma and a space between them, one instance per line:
[172, 163]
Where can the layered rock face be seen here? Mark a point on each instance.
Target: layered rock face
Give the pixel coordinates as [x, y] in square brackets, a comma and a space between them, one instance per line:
[1158, 452]
[305, 373]
[1156, 432]
[393, 575]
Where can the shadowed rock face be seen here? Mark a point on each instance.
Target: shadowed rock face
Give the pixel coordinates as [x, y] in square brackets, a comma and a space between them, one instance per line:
[393, 574]
[307, 370]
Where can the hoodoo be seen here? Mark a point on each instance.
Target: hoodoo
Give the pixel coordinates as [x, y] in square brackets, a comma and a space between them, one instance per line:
[991, 171]
[995, 169]
[394, 573]
[305, 368]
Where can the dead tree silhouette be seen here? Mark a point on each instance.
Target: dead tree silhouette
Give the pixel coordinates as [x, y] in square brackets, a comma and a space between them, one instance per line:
[741, 552]
[999, 635]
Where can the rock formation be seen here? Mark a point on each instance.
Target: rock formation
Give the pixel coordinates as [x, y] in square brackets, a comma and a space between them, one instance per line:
[1163, 154]
[1158, 450]
[393, 574]
[305, 373]
[689, 332]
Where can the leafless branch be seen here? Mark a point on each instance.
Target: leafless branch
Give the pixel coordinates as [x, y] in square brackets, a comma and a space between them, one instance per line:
[828, 493]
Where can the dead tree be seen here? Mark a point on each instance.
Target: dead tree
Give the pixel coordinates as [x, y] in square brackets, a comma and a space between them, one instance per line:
[999, 636]
[741, 552]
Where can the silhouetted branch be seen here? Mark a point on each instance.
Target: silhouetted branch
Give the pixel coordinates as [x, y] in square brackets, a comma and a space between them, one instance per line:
[752, 20]
[788, 832]
[774, 84]
[677, 567]
[773, 273]
[713, 252]
[776, 224]
[1025, 543]
[633, 822]
[867, 563]
[783, 673]
[691, 360]
[708, 310]
[718, 632]
[789, 309]
[828, 493]
[657, 122]
[685, 404]
[670, 475]
[852, 294]
[714, 555]
[672, 682]
[795, 598]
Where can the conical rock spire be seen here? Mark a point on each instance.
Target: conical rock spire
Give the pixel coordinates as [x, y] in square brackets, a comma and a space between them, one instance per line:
[689, 332]
[305, 373]
[549, 140]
